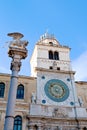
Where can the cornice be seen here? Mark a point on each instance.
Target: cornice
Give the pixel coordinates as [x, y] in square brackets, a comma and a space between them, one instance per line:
[20, 76]
[54, 71]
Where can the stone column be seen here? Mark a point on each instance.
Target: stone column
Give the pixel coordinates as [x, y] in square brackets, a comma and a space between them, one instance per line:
[17, 51]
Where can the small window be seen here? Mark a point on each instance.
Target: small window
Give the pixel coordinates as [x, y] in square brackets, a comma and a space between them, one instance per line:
[20, 92]
[51, 67]
[58, 68]
[18, 123]
[51, 43]
[50, 55]
[56, 55]
[2, 89]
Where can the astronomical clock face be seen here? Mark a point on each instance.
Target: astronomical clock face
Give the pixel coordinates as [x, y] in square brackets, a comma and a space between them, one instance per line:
[56, 90]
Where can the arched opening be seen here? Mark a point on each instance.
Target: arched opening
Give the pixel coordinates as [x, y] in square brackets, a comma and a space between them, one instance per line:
[18, 123]
[2, 89]
[35, 127]
[20, 92]
[56, 55]
[50, 55]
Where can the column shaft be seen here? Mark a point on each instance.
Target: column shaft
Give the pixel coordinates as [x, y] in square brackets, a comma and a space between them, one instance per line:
[9, 120]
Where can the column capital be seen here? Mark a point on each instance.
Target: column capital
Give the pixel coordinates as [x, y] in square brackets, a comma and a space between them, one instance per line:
[15, 66]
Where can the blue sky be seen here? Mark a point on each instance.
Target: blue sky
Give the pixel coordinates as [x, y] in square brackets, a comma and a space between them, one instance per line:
[66, 19]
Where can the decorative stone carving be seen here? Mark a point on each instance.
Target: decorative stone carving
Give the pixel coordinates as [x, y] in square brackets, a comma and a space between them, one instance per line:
[60, 112]
[58, 128]
[80, 101]
[39, 127]
[47, 128]
[55, 65]
[16, 40]
[33, 98]
[15, 65]
[18, 43]
[24, 114]
[30, 128]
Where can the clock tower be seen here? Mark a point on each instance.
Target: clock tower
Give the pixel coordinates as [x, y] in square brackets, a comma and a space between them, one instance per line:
[50, 63]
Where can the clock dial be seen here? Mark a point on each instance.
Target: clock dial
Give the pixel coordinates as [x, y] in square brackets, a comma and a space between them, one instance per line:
[56, 90]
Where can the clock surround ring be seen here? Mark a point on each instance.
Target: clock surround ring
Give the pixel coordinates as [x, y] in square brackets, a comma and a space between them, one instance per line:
[56, 90]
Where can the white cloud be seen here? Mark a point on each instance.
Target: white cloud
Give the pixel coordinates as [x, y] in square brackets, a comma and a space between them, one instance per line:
[80, 66]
